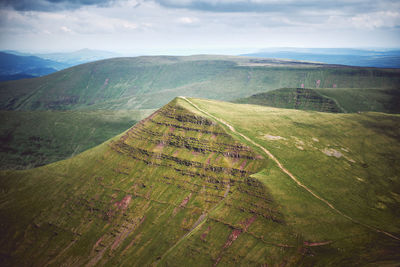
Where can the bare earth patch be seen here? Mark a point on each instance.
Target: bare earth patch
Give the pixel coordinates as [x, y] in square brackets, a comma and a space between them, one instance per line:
[360, 179]
[274, 137]
[332, 152]
[159, 147]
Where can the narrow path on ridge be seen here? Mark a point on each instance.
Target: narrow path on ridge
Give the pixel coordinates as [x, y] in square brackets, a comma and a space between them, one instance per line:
[271, 156]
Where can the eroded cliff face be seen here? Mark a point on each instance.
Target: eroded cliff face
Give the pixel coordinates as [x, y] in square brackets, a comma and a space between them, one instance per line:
[174, 189]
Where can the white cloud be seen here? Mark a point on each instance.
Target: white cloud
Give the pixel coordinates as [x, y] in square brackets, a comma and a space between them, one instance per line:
[129, 25]
[135, 24]
[66, 29]
[188, 20]
[377, 20]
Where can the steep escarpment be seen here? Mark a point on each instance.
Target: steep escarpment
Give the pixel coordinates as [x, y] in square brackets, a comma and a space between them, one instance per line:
[294, 98]
[175, 188]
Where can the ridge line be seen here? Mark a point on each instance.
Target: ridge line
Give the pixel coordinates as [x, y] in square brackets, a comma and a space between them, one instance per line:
[271, 156]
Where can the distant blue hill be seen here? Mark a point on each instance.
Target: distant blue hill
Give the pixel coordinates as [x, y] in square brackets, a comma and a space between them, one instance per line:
[79, 57]
[18, 76]
[70, 58]
[15, 67]
[351, 57]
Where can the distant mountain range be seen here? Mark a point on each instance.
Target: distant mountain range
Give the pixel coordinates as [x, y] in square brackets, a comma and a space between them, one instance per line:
[79, 57]
[150, 82]
[385, 58]
[13, 67]
[70, 58]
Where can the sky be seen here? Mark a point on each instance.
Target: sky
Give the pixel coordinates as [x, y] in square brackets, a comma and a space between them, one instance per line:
[197, 26]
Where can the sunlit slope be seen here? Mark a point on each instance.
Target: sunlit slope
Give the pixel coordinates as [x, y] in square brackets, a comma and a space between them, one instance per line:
[182, 189]
[150, 82]
[350, 160]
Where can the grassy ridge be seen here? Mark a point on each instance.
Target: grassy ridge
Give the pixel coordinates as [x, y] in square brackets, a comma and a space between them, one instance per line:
[34, 138]
[350, 159]
[150, 82]
[178, 189]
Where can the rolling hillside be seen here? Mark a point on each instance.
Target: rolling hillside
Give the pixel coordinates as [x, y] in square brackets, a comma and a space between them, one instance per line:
[335, 100]
[33, 138]
[151, 82]
[210, 183]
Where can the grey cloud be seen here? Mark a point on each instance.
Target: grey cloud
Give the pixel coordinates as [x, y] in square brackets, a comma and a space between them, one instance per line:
[51, 5]
[260, 6]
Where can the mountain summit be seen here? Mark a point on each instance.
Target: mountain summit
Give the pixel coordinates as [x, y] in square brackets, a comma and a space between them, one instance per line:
[209, 183]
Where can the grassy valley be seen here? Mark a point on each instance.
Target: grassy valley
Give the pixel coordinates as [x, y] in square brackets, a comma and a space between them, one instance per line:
[34, 138]
[204, 182]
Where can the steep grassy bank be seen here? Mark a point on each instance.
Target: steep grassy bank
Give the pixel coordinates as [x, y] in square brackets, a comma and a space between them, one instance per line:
[180, 188]
[131, 199]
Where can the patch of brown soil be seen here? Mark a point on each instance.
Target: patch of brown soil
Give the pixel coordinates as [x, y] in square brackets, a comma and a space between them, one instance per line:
[234, 235]
[205, 233]
[316, 244]
[182, 205]
[123, 204]
[243, 165]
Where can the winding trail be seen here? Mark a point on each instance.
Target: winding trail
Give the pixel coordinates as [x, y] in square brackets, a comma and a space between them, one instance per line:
[271, 156]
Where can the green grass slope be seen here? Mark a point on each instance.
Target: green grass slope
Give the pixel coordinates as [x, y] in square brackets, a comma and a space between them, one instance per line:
[350, 160]
[150, 82]
[181, 189]
[34, 138]
[293, 98]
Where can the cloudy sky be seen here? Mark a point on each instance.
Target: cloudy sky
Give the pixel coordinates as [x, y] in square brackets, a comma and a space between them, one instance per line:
[176, 26]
